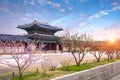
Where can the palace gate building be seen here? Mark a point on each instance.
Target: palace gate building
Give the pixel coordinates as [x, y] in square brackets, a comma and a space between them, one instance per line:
[39, 33]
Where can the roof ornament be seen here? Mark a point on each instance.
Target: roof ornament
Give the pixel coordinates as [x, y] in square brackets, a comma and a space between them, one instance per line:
[35, 21]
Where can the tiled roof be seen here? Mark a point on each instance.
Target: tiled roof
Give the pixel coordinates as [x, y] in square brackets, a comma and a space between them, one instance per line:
[7, 37]
[39, 24]
[40, 37]
[44, 38]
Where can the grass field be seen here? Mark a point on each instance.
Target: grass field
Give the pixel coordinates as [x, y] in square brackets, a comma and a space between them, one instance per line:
[63, 71]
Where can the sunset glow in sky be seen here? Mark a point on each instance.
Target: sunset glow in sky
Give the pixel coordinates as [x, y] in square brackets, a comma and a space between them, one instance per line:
[100, 18]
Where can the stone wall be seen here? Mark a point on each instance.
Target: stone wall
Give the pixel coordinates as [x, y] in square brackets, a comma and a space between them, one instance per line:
[104, 72]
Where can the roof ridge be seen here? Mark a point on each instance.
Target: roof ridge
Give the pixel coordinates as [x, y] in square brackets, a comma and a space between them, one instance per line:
[43, 35]
[49, 25]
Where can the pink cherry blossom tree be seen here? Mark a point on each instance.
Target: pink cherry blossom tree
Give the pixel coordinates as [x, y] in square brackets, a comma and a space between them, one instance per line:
[22, 60]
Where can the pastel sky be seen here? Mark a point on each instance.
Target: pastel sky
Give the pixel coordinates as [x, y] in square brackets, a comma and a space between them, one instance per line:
[100, 18]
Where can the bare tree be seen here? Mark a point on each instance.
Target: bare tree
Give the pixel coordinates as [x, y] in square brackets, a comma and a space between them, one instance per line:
[97, 50]
[66, 41]
[117, 49]
[80, 46]
[83, 47]
[75, 40]
[109, 50]
[22, 61]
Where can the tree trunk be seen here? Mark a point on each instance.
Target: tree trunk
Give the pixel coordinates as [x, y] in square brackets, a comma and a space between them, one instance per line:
[117, 55]
[20, 76]
[98, 60]
[20, 73]
[108, 58]
[78, 64]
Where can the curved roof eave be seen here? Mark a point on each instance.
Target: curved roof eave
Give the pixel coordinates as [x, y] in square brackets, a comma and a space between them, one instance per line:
[42, 25]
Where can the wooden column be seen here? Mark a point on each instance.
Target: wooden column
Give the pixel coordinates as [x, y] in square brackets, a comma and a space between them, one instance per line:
[57, 47]
[50, 46]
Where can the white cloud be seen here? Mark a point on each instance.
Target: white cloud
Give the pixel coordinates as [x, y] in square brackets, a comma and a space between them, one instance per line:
[116, 8]
[66, 1]
[106, 33]
[42, 2]
[70, 7]
[94, 16]
[18, 19]
[99, 14]
[28, 17]
[83, 0]
[82, 23]
[4, 9]
[105, 12]
[62, 10]
[32, 2]
[54, 4]
[115, 3]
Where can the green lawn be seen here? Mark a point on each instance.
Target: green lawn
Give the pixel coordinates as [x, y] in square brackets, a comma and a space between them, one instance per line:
[76, 68]
[40, 76]
[85, 66]
[34, 76]
[63, 71]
